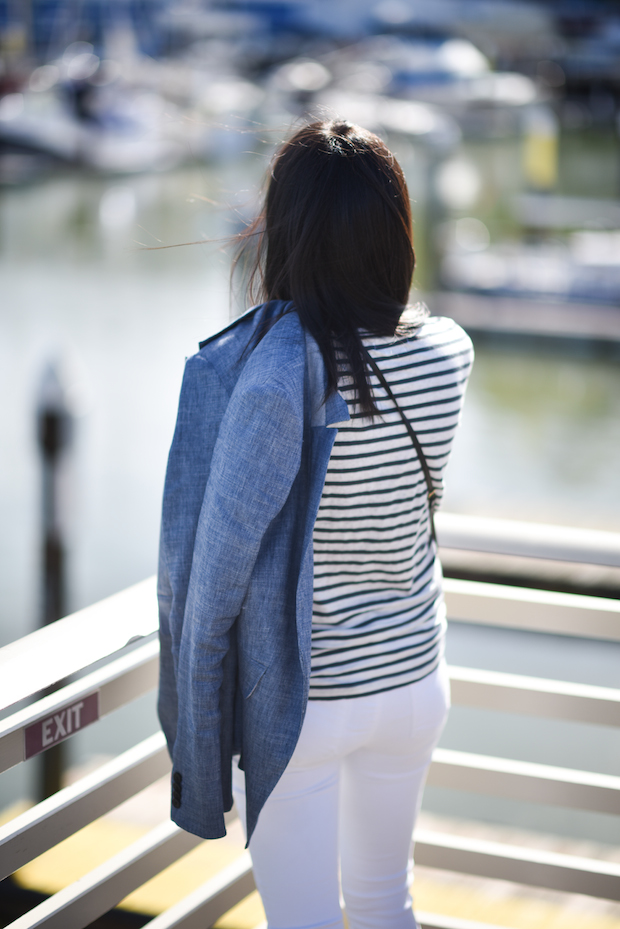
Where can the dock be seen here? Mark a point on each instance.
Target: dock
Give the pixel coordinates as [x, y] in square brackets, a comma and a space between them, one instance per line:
[528, 317]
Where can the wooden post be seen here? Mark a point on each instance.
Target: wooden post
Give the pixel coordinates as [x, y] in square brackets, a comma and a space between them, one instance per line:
[54, 427]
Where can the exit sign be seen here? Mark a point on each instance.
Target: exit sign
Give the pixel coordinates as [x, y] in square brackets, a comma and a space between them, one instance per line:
[60, 725]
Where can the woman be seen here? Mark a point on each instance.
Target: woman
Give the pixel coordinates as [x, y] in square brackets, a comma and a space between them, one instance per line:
[302, 618]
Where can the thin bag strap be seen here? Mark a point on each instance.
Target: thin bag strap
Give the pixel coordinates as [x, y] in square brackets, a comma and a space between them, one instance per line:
[416, 442]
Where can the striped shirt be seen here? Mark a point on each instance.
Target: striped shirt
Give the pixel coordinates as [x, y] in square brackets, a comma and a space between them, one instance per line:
[378, 614]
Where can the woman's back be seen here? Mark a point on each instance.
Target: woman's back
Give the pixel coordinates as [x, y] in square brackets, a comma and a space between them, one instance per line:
[329, 791]
[378, 617]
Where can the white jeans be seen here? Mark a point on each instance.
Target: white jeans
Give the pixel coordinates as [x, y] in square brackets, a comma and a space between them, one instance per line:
[346, 805]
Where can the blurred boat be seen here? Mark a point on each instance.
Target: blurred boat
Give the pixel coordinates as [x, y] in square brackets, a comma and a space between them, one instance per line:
[553, 211]
[304, 86]
[584, 268]
[449, 73]
[448, 76]
[419, 121]
[142, 115]
[128, 135]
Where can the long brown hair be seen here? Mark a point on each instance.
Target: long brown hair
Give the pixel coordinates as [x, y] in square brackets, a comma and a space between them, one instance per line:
[335, 238]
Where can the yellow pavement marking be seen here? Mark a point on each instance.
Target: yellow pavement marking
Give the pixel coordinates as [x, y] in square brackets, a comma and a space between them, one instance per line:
[77, 855]
[246, 915]
[184, 876]
[16, 809]
[95, 843]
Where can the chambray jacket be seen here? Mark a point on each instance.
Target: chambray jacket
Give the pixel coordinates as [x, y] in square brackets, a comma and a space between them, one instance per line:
[243, 485]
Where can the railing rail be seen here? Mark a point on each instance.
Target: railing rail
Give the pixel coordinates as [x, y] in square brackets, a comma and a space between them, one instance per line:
[93, 895]
[532, 866]
[212, 900]
[532, 540]
[532, 610]
[535, 696]
[525, 780]
[121, 634]
[114, 685]
[113, 624]
[49, 822]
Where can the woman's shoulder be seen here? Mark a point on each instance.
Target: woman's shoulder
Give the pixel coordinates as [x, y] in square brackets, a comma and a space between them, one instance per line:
[418, 331]
[442, 330]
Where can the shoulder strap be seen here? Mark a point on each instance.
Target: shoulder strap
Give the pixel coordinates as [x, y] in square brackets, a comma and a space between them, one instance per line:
[416, 442]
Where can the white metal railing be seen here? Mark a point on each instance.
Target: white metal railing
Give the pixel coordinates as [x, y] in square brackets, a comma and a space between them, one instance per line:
[121, 633]
[534, 540]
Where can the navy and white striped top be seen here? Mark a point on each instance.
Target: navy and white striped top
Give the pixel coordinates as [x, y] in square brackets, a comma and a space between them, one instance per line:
[378, 614]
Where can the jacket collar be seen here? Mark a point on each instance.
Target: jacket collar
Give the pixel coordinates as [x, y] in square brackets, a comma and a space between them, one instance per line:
[333, 411]
[239, 319]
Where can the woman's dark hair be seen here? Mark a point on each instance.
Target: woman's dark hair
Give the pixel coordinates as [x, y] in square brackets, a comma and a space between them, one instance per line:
[335, 238]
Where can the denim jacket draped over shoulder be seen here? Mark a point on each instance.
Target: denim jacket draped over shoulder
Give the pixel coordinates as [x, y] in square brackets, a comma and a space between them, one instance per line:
[243, 485]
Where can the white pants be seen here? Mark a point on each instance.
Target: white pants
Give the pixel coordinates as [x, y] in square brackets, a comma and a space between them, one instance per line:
[346, 805]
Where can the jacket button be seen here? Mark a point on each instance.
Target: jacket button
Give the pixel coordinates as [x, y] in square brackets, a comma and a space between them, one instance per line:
[176, 802]
[177, 777]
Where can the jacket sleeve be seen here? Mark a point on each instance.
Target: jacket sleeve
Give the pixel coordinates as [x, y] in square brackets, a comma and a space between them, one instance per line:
[167, 697]
[202, 404]
[256, 458]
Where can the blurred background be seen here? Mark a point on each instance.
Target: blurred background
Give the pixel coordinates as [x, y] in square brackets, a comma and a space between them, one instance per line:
[132, 124]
